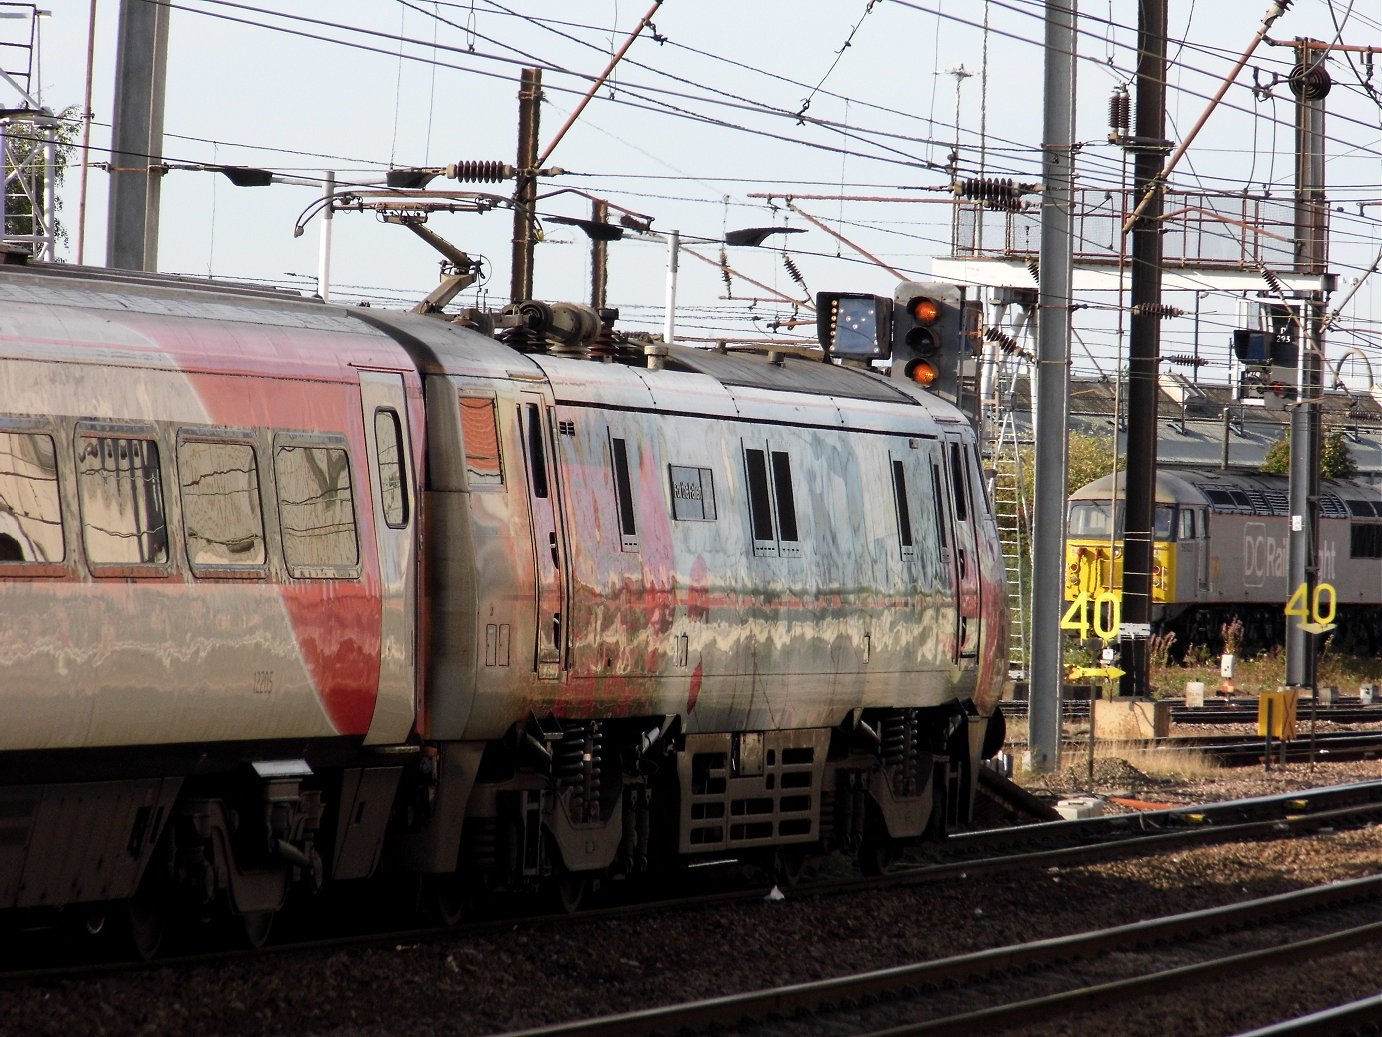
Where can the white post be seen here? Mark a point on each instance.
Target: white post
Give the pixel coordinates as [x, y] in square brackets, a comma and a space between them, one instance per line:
[673, 254]
[324, 259]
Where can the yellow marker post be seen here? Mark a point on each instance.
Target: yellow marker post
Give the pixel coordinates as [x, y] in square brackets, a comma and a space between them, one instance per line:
[1079, 673]
[1276, 714]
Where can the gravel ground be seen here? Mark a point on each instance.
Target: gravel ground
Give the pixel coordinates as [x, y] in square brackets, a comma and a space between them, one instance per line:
[487, 983]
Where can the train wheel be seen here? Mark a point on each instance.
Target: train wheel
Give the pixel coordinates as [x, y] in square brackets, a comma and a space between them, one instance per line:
[142, 921]
[876, 853]
[255, 926]
[443, 898]
[788, 864]
[569, 890]
[994, 734]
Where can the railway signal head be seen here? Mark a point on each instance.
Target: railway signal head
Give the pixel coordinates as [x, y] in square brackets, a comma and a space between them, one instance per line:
[929, 335]
[853, 326]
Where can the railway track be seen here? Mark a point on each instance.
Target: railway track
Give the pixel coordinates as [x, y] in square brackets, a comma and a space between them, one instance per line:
[1012, 848]
[1246, 750]
[1348, 710]
[1022, 984]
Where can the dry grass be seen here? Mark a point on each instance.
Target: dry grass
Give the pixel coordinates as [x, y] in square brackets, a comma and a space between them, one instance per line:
[1161, 763]
[1265, 672]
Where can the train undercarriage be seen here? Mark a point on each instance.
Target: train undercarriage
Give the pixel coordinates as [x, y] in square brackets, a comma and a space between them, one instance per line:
[563, 806]
[555, 809]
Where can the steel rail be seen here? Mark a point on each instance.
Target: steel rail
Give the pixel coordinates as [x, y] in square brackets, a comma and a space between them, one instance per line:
[790, 1000]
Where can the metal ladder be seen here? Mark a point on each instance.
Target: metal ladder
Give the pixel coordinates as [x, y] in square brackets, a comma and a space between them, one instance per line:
[1014, 524]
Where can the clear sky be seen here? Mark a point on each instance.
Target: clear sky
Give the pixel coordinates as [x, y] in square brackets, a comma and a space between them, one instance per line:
[721, 102]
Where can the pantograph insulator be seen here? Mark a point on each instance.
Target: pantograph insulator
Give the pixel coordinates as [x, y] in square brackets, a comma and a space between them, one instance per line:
[1158, 309]
[479, 171]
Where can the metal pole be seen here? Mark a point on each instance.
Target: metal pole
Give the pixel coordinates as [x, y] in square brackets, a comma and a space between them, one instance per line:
[669, 321]
[324, 255]
[525, 185]
[1052, 385]
[141, 61]
[1274, 11]
[1144, 347]
[87, 116]
[599, 258]
[50, 196]
[599, 82]
[1312, 234]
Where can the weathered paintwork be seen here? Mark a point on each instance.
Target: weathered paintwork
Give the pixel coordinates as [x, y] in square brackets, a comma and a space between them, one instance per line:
[683, 617]
[99, 656]
[344, 561]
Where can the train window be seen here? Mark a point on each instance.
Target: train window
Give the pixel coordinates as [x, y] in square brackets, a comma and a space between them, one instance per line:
[537, 456]
[221, 511]
[786, 502]
[388, 444]
[774, 532]
[1365, 540]
[483, 464]
[1090, 519]
[937, 484]
[121, 491]
[904, 512]
[1164, 522]
[1187, 524]
[693, 493]
[760, 504]
[30, 515]
[316, 510]
[957, 474]
[623, 494]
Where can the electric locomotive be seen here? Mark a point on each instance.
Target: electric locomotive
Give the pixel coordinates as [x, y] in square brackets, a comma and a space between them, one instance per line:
[299, 594]
[1220, 549]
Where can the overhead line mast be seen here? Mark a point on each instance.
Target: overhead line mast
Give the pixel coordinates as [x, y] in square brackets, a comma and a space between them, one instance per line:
[1148, 144]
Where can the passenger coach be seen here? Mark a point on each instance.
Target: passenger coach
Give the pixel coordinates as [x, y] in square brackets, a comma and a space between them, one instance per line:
[298, 594]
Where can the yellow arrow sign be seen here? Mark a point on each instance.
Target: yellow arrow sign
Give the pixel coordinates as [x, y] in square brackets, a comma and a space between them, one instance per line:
[1076, 673]
[1317, 628]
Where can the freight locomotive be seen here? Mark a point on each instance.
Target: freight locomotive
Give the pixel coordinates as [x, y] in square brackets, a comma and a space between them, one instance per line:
[1220, 551]
[297, 595]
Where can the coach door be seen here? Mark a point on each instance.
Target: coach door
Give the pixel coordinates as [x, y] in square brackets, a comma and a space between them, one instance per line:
[535, 420]
[964, 516]
[393, 493]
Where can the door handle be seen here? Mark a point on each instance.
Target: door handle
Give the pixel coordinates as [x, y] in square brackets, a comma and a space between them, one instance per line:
[552, 543]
